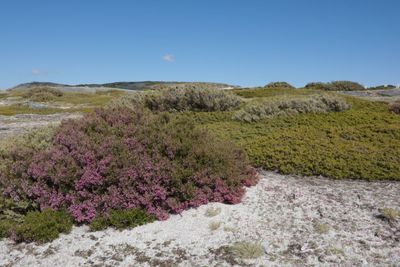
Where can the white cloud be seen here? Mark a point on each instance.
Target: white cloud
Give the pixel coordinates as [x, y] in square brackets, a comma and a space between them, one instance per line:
[37, 72]
[169, 58]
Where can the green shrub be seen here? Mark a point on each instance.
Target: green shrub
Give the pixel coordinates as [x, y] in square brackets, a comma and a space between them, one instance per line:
[181, 100]
[320, 86]
[43, 94]
[43, 226]
[12, 210]
[6, 228]
[279, 85]
[336, 86]
[291, 106]
[395, 107]
[121, 219]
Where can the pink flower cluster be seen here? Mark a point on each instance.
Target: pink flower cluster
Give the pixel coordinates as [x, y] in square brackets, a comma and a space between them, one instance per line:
[119, 159]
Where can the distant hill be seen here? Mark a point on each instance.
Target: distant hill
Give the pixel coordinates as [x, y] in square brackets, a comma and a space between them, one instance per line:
[136, 86]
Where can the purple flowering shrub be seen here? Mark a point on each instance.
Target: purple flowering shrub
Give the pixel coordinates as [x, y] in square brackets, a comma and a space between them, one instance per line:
[116, 159]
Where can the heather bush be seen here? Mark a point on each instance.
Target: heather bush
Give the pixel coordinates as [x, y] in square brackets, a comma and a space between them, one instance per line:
[279, 85]
[43, 94]
[395, 107]
[116, 159]
[290, 106]
[336, 86]
[42, 226]
[121, 219]
[181, 100]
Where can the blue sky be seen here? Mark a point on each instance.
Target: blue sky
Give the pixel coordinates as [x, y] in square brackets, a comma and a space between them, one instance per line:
[247, 42]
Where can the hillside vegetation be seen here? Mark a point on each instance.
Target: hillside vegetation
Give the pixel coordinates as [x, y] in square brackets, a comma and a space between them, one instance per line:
[146, 155]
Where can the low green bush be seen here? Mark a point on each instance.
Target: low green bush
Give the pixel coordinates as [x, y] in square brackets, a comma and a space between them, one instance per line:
[180, 100]
[336, 86]
[279, 85]
[15, 210]
[290, 106]
[382, 87]
[43, 94]
[6, 228]
[121, 219]
[43, 226]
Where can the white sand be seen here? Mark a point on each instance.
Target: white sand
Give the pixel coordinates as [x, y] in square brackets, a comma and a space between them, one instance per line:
[282, 214]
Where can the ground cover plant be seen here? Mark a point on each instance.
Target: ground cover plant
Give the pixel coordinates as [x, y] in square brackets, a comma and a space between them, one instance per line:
[360, 143]
[290, 106]
[124, 159]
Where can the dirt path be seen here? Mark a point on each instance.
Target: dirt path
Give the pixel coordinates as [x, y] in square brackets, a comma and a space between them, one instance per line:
[295, 221]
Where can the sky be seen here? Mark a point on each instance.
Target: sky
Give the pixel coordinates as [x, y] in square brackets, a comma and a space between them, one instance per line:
[240, 42]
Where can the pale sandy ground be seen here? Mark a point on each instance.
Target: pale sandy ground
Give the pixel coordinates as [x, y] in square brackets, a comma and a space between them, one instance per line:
[284, 214]
[13, 125]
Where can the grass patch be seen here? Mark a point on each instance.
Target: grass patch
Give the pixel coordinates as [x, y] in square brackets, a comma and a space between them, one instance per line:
[211, 212]
[322, 228]
[247, 250]
[389, 214]
[214, 226]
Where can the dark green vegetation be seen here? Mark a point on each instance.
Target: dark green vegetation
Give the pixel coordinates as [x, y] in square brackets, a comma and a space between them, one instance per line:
[336, 86]
[121, 219]
[40, 227]
[279, 85]
[360, 143]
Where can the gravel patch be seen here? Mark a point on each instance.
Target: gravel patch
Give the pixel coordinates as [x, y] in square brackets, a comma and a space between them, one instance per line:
[284, 221]
[11, 125]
